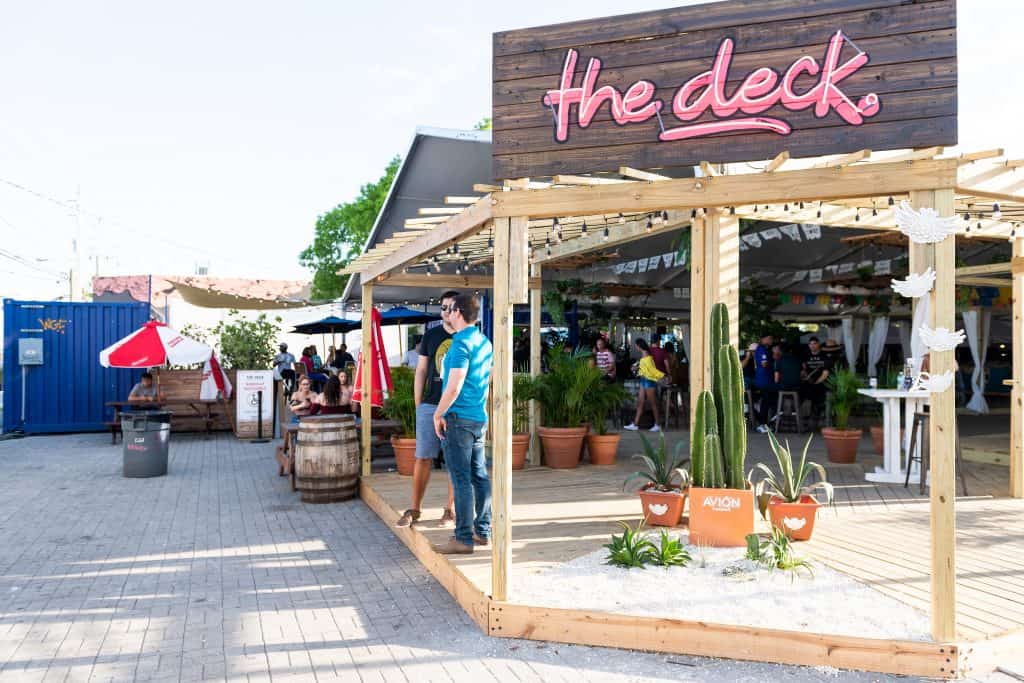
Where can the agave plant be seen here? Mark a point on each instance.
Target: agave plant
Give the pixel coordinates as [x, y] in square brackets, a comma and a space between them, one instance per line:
[670, 552]
[792, 480]
[776, 552]
[631, 549]
[664, 472]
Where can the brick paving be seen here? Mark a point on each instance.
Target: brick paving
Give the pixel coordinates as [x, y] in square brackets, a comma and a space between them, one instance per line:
[218, 572]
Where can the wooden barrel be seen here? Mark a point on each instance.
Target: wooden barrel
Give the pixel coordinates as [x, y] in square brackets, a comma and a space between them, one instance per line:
[327, 459]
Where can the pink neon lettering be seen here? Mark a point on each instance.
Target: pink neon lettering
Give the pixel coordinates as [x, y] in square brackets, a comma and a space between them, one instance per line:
[759, 91]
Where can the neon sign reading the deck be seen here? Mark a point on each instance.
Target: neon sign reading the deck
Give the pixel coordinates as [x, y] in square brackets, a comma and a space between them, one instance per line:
[760, 90]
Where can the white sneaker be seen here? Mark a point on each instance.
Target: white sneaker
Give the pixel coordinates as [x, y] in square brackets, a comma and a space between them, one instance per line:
[762, 429]
[655, 428]
[631, 427]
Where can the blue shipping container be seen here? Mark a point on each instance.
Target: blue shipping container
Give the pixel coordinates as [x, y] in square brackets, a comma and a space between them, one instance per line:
[68, 392]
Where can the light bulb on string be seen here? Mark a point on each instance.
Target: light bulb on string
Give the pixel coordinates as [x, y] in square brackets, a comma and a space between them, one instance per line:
[801, 206]
[622, 219]
[604, 237]
[664, 216]
[891, 201]
[583, 228]
[693, 213]
[785, 207]
[996, 212]
[856, 216]
[732, 210]
[650, 224]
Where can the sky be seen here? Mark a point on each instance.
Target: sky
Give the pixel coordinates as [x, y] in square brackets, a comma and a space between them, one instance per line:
[214, 133]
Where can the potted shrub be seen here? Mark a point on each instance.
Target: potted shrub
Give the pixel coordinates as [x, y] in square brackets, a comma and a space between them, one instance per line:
[663, 493]
[400, 406]
[602, 445]
[721, 499]
[788, 494]
[521, 395]
[564, 392]
[840, 442]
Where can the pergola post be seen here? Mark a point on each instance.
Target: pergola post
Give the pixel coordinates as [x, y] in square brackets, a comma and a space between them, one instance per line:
[714, 277]
[1017, 395]
[366, 406]
[942, 422]
[511, 259]
[535, 360]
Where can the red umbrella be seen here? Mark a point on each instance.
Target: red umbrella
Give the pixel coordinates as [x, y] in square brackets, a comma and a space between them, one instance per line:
[378, 364]
[152, 345]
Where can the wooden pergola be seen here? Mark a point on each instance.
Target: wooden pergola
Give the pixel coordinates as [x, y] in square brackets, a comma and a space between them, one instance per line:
[524, 224]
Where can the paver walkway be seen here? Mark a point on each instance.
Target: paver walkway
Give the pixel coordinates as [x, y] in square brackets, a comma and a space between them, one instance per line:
[218, 572]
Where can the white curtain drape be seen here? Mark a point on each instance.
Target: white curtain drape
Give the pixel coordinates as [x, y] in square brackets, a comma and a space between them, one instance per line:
[905, 331]
[853, 337]
[834, 332]
[917, 348]
[977, 325]
[684, 339]
[876, 343]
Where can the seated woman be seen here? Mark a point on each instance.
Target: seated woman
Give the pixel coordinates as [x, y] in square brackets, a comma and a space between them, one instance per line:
[301, 402]
[332, 401]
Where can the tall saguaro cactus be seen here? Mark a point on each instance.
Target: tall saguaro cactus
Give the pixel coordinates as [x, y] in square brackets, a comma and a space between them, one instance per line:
[719, 431]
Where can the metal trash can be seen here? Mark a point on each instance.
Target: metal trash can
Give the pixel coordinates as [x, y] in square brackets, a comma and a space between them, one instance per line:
[146, 435]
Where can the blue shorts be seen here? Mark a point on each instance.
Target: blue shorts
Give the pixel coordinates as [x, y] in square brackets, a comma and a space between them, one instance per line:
[428, 446]
[648, 383]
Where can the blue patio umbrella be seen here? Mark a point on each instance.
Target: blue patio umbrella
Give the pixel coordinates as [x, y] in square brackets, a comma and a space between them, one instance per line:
[328, 325]
[400, 315]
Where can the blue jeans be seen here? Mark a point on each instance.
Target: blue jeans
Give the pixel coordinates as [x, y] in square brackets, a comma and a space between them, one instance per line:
[464, 453]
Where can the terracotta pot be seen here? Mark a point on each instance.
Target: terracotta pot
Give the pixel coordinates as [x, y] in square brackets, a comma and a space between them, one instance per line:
[562, 445]
[405, 454]
[662, 508]
[520, 446]
[721, 517]
[841, 444]
[878, 439]
[796, 520]
[603, 448]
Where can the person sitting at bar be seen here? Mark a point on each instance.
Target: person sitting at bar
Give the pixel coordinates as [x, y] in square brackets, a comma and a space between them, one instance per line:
[604, 358]
[145, 391]
[342, 358]
[333, 400]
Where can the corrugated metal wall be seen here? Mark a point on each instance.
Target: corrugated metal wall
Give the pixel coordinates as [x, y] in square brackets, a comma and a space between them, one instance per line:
[69, 391]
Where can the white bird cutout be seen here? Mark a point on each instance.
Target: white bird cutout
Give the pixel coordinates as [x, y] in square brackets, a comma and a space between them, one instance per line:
[933, 384]
[657, 509]
[916, 285]
[941, 339]
[794, 523]
[925, 225]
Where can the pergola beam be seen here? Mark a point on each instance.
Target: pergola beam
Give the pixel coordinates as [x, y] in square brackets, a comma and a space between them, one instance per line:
[776, 163]
[800, 185]
[969, 157]
[637, 174]
[989, 194]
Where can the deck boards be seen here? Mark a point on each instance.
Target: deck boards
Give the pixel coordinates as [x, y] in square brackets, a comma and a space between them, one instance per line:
[877, 533]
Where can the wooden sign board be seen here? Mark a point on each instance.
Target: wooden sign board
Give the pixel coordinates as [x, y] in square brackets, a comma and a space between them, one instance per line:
[730, 81]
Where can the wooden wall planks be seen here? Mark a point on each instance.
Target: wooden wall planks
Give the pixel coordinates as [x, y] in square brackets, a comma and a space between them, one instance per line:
[912, 67]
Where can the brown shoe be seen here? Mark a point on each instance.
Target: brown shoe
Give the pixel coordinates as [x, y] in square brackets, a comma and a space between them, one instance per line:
[408, 518]
[453, 547]
[448, 518]
[477, 540]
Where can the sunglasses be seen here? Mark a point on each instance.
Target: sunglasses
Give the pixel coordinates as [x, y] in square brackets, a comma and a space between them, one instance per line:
[448, 308]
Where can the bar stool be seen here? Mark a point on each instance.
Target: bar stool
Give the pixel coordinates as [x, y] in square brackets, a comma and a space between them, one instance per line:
[673, 398]
[921, 426]
[751, 412]
[791, 399]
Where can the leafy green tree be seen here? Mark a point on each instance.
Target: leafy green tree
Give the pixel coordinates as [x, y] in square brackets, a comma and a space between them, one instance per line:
[341, 234]
[483, 124]
[247, 344]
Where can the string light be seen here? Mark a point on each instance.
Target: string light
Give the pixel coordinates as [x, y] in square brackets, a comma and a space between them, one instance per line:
[693, 212]
[856, 216]
[996, 212]
[604, 237]
[967, 216]
[785, 207]
[622, 219]
[583, 228]
[801, 206]
[874, 211]
[891, 201]
[732, 210]
[819, 209]
[455, 248]
[664, 216]
[650, 224]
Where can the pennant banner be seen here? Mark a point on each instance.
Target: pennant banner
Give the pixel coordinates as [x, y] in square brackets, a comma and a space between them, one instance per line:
[815, 275]
[811, 232]
[791, 231]
[771, 234]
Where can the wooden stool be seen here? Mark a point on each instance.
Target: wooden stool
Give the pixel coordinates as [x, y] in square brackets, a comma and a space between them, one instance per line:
[752, 413]
[673, 397]
[792, 399]
[921, 426]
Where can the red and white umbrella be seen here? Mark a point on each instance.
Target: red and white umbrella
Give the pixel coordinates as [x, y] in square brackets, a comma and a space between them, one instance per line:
[154, 344]
[380, 373]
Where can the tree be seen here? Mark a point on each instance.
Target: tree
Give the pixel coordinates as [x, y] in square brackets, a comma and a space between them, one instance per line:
[247, 344]
[483, 124]
[341, 234]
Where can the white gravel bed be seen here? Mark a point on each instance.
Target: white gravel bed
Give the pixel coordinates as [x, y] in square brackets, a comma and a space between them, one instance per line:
[827, 602]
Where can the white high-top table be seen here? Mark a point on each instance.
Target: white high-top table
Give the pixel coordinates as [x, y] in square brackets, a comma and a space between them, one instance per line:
[892, 471]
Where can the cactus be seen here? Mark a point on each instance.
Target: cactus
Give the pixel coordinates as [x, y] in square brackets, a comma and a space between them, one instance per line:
[713, 452]
[718, 335]
[705, 425]
[733, 428]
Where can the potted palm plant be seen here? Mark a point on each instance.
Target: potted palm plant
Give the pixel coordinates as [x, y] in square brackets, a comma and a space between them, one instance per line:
[521, 395]
[602, 445]
[400, 406]
[564, 392]
[841, 442]
[721, 498]
[663, 491]
[788, 494]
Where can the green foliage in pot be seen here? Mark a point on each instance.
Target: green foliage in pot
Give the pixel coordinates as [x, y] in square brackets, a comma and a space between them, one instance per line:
[791, 480]
[247, 344]
[566, 389]
[663, 472]
[608, 397]
[400, 405]
[844, 386]
[522, 392]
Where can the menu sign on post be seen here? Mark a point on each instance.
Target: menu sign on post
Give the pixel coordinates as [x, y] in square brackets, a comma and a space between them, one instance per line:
[724, 82]
[249, 384]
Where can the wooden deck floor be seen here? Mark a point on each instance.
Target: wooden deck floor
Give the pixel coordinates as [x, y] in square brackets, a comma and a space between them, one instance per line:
[877, 533]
